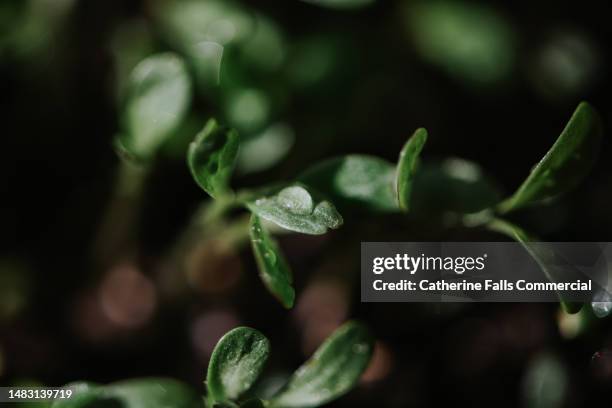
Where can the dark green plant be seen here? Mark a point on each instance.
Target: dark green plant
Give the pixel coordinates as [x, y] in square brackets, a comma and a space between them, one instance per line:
[374, 185]
[235, 365]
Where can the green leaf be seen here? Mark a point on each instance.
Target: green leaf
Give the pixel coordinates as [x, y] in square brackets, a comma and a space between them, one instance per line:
[158, 97]
[153, 393]
[332, 371]
[294, 208]
[84, 394]
[406, 166]
[565, 165]
[453, 185]
[470, 41]
[211, 157]
[544, 257]
[355, 181]
[236, 362]
[136, 393]
[273, 268]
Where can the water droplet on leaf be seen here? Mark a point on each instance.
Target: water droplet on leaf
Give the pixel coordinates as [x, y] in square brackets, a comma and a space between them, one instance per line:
[296, 200]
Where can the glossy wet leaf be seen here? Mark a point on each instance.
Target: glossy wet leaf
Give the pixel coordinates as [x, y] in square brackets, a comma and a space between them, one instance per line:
[331, 372]
[452, 185]
[273, 268]
[406, 167]
[158, 97]
[236, 362]
[294, 208]
[355, 181]
[565, 165]
[543, 256]
[211, 157]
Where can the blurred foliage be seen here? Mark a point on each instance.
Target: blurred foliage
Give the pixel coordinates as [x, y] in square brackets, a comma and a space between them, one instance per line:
[344, 82]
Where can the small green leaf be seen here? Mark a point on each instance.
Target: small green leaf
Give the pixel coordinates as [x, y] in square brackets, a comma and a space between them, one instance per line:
[406, 166]
[236, 362]
[453, 185]
[565, 165]
[295, 209]
[544, 257]
[355, 181]
[273, 268]
[211, 157]
[158, 97]
[331, 372]
[153, 393]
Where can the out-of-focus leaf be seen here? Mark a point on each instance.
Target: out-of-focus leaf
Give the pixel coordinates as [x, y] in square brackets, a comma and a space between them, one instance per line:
[565, 165]
[331, 372]
[545, 383]
[131, 43]
[158, 97]
[341, 4]
[565, 66]
[189, 22]
[545, 258]
[406, 167]
[294, 208]
[247, 109]
[357, 181]
[265, 149]
[453, 185]
[273, 268]
[211, 157]
[84, 395]
[153, 393]
[468, 40]
[236, 362]
[136, 393]
[266, 48]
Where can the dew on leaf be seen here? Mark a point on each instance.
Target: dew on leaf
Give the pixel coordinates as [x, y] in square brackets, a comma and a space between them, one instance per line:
[296, 200]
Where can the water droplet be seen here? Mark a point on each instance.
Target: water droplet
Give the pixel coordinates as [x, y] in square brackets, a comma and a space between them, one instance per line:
[296, 200]
[270, 256]
[602, 304]
[327, 214]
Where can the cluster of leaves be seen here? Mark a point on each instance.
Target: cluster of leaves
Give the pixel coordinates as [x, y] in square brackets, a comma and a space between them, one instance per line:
[310, 204]
[373, 184]
[236, 363]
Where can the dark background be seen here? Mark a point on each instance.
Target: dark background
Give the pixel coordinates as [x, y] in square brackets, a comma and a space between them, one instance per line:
[59, 117]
